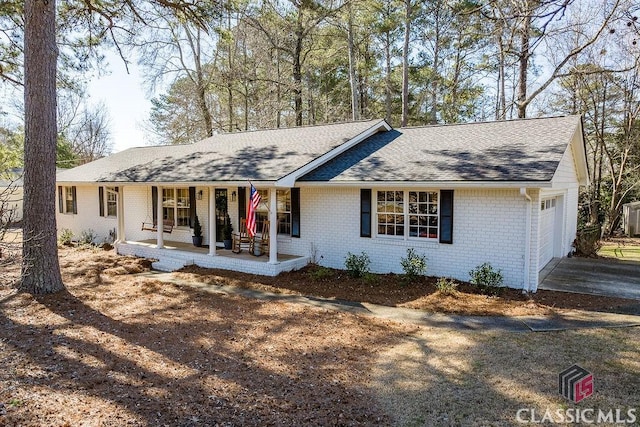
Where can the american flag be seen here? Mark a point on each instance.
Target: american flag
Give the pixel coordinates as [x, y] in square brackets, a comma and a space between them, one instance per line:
[254, 202]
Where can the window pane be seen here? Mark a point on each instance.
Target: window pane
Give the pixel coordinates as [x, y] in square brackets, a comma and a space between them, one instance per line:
[284, 223]
[168, 198]
[184, 214]
[112, 202]
[423, 206]
[182, 197]
[283, 198]
[68, 199]
[168, 214]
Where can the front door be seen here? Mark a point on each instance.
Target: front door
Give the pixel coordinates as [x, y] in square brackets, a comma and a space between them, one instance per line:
[221, 211]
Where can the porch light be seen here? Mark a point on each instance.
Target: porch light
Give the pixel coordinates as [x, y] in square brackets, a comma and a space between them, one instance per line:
[199, 195]
[233, 196]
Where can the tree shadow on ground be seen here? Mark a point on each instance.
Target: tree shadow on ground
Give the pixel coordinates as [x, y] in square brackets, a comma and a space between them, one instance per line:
[183, 357]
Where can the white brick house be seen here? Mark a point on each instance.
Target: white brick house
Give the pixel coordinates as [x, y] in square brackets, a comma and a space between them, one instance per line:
[498, 192]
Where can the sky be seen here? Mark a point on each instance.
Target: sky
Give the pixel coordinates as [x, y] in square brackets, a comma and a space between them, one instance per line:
[127, 102]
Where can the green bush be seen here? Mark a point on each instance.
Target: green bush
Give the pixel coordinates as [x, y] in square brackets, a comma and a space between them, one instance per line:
[87, 237]
[489, 281]
[319, 273]
[197, 228]
[370, 278]
[446, 286]
[413, 265]
[357, 265]
[66, 237]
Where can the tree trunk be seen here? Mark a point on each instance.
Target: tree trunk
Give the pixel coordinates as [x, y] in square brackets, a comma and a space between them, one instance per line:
[501, 110]
[355, 108]
[40, 267]
[297, 75]
[523, 64]
[405, 65]
[387, 78]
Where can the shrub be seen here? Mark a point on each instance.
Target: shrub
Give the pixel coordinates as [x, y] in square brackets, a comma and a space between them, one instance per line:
[357, 265]
[446, 286]
[319, 273]
[66, 237]
[197, 228]
[413, 265]
[370, 278]
[489, 281]
[87, 237]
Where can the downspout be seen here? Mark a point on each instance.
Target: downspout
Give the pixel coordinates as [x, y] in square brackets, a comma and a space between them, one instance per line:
[527, 241]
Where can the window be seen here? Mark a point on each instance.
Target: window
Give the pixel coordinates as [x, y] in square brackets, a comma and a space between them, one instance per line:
[112, 202]
[390, 209]
[176, 206]
[67, 200]
[547, 204]
[283, 203]
[423, 214]
[420, 213]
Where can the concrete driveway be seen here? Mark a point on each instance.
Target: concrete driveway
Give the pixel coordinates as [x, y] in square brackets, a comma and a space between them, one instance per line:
[605, 277]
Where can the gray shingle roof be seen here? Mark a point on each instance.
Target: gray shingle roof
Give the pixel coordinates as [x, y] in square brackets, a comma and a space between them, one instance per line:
[518, 150]
[260, 155]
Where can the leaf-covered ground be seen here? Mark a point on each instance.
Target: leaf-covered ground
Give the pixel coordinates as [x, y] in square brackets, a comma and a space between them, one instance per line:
[118, 349]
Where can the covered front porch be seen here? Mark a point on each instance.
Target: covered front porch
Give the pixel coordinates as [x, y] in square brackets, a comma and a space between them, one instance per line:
[179, 206]
[174, 255]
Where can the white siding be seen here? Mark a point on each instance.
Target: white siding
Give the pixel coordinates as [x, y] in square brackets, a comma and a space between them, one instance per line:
[88, 217]
[489, 225]
[13, 196]
[137, 208]
[565, 184]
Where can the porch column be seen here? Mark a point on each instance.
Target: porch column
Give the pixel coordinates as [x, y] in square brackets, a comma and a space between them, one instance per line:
[212, 221]
[273, 227]
[160, 224]
[120, 237]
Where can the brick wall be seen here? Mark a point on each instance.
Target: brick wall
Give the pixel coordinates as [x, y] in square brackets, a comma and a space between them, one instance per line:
[489, 225]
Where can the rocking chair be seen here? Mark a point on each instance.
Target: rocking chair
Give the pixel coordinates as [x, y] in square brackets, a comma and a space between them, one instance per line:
[241, 239]
[260, 244]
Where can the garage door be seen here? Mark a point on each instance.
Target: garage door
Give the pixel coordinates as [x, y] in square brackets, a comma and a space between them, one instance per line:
[547, 223]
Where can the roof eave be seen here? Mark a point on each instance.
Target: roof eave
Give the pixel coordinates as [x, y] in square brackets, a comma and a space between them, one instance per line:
[431, 184]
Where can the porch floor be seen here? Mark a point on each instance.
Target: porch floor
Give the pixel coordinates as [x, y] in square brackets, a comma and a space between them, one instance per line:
[187, 247]
[175, 255]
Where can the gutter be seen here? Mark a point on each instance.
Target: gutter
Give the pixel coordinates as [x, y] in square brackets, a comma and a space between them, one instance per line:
[527, 241]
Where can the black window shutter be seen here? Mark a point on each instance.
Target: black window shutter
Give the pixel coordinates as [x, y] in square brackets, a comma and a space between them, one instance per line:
[192, 206]
[295, 212]
[242, 202]
[365, 212]
[101, 199]
[446, 216]
[60, 201]
[154, 203]
[75, 199]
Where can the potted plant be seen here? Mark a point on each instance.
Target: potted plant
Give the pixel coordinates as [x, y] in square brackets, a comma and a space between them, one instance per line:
[197, 232]
[227, 231]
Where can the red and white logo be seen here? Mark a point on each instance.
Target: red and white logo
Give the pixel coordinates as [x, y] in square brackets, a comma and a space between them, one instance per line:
[575, 383]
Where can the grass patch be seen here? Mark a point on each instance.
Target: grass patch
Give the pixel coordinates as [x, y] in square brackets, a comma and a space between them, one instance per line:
[626, 252]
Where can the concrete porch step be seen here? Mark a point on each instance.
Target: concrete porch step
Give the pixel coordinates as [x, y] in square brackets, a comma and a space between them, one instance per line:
[169, 264]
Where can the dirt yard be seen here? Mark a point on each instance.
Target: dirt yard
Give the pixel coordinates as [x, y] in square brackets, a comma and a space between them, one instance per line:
[117, 349]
